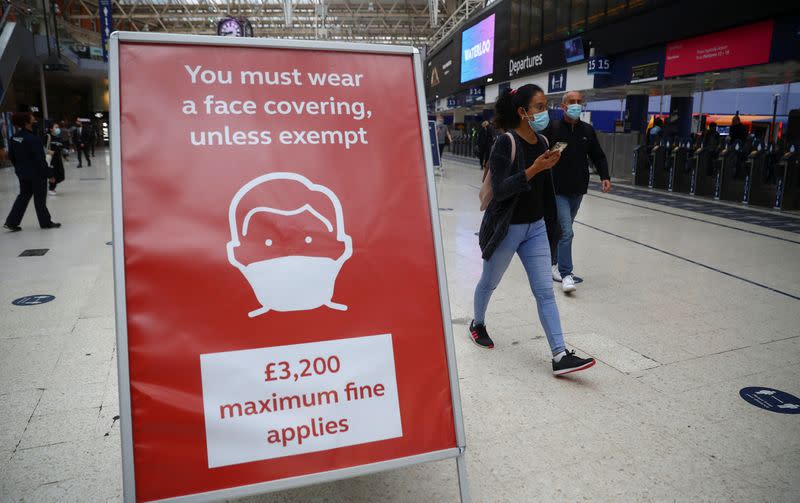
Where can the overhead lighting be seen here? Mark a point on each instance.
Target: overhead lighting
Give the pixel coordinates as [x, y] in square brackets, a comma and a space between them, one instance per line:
[489, 79]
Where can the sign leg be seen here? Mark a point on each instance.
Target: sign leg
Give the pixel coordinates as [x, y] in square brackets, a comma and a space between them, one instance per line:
[463, 480]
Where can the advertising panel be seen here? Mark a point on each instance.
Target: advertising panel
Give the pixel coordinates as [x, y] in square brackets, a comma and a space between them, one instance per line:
[733, 48]
[477, 50]
[263, 338]
[442, 72]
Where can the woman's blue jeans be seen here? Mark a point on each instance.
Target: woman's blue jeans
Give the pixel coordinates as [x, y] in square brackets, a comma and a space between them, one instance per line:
[530, 242]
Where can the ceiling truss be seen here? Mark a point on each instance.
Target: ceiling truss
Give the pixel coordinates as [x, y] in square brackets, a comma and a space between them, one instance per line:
[407, 22]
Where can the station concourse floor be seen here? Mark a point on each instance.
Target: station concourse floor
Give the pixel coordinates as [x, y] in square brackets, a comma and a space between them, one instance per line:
[681, 310]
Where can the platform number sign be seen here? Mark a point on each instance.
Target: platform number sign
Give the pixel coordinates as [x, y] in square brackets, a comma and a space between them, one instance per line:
[598, 65]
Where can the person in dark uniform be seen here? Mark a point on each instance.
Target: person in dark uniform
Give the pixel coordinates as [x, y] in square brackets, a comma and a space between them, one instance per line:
[80, 138]
[571, 177]
[92, 137]
[26, 152]
[484, 143]
[56, 149]
[738, 131]
[711, 138]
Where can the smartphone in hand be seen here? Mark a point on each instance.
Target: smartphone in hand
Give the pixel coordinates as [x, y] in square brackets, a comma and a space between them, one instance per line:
[559, 147]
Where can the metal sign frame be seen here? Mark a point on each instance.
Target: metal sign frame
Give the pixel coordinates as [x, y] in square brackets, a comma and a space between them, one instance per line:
[126, 429]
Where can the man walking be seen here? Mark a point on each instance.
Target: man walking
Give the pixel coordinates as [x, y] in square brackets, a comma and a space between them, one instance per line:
[26, 152]
[571, 178]
[81, 138]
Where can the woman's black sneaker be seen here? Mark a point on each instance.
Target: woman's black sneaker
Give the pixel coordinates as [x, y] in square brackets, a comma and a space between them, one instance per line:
[570, 363]
[12, 228]
[480, 336]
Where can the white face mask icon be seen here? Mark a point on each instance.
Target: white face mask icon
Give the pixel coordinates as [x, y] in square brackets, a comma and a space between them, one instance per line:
[300, 280]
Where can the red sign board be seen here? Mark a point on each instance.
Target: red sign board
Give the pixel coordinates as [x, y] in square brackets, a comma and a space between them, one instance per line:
[737, 47]
[277, 264]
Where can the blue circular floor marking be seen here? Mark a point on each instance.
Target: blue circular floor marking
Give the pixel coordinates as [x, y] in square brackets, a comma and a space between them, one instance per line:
[33, 300]
[772, 400]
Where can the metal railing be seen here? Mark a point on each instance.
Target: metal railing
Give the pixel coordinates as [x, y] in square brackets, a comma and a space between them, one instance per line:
[451, 24]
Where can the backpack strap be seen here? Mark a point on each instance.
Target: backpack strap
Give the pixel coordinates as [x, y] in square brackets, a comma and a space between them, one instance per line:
[544, 139]
[513, 146]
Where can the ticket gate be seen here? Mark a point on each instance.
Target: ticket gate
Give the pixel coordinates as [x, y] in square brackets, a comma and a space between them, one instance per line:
[738, 177]
[657, 177]
[679, 175]
[726, 166]
[754, 170]
[763, 184]
[641, 170]
[787, 191]
[702, 177]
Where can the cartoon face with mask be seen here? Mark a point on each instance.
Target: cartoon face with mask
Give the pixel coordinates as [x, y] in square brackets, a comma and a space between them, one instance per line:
[289, 242]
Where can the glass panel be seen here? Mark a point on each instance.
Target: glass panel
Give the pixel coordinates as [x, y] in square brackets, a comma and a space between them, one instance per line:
[516, 43]
[562, 18]
[616, 8]
[578, 16]
[536, 23]
[597, 12]
[549, 33]
[525, 24]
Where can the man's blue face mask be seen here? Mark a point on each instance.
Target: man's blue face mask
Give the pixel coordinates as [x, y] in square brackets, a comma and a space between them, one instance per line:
[574, 111]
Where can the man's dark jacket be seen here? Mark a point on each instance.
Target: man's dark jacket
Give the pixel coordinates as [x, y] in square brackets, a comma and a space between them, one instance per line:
[571, 173]
[26, 152]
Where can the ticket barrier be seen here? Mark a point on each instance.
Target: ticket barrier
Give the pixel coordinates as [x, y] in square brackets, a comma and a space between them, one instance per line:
[763, 182]
[737, 175]
[679, 175]
[641, 166]
[787, 190]
[657, 177]
[726, 167]
[703, 175]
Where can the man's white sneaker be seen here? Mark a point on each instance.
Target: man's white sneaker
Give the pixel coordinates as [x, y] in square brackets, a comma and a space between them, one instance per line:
[556, 274]
[568, 284]
[51, 192]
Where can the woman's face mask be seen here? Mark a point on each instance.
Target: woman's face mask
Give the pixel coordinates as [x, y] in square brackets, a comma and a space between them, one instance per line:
[57, 131]
[540, 121]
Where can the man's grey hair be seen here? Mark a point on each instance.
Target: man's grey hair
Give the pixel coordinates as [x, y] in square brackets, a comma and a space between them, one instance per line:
[566, 96]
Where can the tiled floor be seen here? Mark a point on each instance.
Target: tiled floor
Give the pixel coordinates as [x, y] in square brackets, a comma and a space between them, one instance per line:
[681, 308]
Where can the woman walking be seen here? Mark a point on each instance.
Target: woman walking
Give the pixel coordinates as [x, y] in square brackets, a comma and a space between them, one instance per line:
[518, 218]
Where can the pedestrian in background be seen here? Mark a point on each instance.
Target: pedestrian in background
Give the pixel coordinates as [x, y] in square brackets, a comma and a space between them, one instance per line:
[26, 152]
[738, 131]
[442, 134]
[571, 177]
[55, 149]
[484, 143]
[80, 137]
[92, 136]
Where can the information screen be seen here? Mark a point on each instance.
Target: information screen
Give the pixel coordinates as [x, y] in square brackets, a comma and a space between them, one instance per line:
[573, 49]
[734, 48]
[477, 50]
